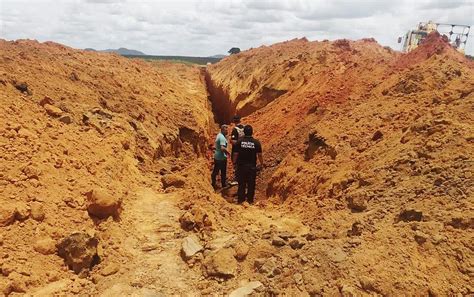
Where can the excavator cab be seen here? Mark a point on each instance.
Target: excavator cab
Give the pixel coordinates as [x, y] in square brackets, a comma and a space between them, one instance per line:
[457, 35]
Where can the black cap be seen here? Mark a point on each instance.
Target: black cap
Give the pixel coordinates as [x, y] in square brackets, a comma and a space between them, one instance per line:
[236, 118]
[248, 130]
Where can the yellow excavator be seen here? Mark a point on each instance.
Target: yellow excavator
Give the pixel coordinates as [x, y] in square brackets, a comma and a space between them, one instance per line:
[457, 35]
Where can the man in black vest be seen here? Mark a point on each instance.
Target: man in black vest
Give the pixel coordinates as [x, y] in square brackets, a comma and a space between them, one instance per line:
[246, 152]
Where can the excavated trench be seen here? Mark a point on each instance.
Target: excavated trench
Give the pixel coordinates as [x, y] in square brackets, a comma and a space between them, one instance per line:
[224, 110]
[222, 107]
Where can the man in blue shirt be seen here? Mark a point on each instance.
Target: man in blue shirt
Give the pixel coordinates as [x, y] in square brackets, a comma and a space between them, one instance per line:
[220, 157]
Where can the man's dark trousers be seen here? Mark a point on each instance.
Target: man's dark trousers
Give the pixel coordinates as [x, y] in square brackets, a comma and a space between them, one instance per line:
[219, 165]
[247, 175]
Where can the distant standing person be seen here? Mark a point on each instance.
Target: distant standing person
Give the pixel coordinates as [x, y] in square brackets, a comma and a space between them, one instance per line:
[220, 158]
[236, 134]
[246, 152]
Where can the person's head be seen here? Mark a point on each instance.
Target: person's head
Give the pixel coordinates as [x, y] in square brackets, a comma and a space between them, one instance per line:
[236, 119]
[224, 129]
[248, 130]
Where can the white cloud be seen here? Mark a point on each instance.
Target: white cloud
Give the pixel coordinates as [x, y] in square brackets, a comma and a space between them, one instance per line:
[207, 27]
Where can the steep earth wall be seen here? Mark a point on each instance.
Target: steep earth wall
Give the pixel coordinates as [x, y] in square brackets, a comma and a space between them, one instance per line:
[371, 148]
[72, 122]
[367, 189]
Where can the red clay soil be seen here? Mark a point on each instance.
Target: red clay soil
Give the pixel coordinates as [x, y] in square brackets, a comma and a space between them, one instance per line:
[367, 189]
[359, 138]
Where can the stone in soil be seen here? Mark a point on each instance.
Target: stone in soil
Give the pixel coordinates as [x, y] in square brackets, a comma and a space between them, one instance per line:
[100, 204]
[7, 214]
[191, 246]
[241, 251]
[246, 289]
[45, 246]
[79, 251]
[278, 241]
[37, 211]
[221, 263]
[173, 180]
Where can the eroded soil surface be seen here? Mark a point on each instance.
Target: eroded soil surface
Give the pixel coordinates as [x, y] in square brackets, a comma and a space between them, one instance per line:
[367, 188]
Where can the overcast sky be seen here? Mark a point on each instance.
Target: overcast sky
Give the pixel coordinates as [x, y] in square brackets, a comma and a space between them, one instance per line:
[205, 27]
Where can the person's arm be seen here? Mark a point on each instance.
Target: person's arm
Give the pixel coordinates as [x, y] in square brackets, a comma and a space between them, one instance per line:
[260, 159]
[222, 143]
[234, 136]
[225, 150]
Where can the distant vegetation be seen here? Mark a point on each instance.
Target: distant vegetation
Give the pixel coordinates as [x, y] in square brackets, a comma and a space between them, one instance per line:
[234, 50]
[470, 57]
[182, 59]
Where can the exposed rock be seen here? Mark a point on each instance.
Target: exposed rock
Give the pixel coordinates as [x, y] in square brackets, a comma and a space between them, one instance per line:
[377, 135]
[348, 291]
[79, 251]
[196, 219]
[187, 221]
[293, 62]
[7, 214]
[437, 239]
[110, 269]
[298, 278]
[241, 251]
[221, 263]
[46, 100]
[53, 110]
[100, 204]
[173, 180]
[285, 235]
[462, 223]
[410, 215]
[278, 241]
[357, 202]
[191, 246]
[31, 171]
[37, 211]
[22, 211]
[356, 229]
[223, 240]
[45, 246]
[21, 86]
[269, 267]
[311, 236]
[246, 290]
[420, 237]
[368, 284]
[296, 243]
[66, 119]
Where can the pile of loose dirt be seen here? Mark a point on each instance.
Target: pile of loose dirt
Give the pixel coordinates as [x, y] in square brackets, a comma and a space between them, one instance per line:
[371, 148]
[367, 190]
[80, 134]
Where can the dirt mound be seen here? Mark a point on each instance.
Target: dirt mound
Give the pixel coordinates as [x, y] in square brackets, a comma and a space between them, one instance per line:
[368, 188]
[357, 135]
[73, 122]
